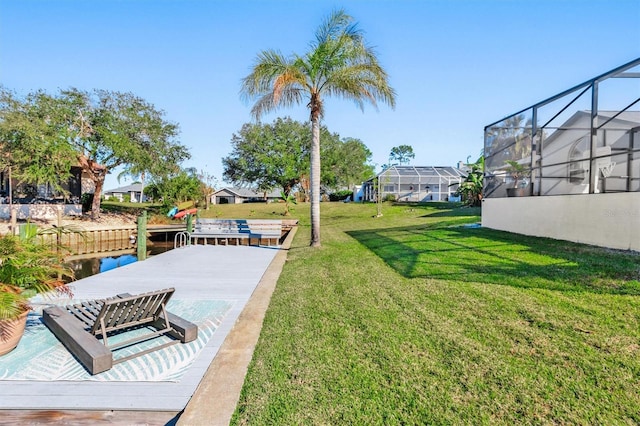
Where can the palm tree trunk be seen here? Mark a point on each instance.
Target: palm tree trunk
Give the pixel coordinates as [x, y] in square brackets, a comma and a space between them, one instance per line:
[315, 179]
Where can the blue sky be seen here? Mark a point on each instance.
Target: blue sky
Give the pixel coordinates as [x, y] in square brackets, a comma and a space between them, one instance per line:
[456, 65]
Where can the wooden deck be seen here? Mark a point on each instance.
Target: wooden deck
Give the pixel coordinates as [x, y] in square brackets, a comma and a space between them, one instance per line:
[196, 272]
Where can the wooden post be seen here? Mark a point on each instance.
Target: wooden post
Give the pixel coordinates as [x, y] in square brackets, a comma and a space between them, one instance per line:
[14, 219]
[142, 236]
[189, 226]
[59, 216]
[59, 234]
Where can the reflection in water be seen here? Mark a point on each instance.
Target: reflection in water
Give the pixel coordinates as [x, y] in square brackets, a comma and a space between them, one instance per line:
[83, 268]
[109, 263]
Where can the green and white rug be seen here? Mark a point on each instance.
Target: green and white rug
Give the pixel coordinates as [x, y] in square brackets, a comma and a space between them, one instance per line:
[41, 357]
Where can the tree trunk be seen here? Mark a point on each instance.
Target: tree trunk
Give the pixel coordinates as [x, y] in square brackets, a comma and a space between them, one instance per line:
[95, 206]
[97, 172]
[141, 187]
[315, 177]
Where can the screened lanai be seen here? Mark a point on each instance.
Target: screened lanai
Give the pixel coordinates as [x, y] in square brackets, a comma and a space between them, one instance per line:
[569, 167]
[584, 140]
[412, 183]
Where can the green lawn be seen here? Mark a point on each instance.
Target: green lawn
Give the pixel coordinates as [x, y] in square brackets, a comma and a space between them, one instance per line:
[411, 318]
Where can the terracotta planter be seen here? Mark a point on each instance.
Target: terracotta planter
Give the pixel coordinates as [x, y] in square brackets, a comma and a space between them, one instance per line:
[11, 332]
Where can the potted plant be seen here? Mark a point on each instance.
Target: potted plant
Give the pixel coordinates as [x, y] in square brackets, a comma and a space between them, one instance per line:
[517, 172]
[26, 269]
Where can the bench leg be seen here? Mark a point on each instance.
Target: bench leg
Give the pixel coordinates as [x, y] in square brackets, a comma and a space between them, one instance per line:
[91, 353]
[181, 329]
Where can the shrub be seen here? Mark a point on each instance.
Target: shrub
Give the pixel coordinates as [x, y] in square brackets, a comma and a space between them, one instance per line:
[340, 195]
[87, 202]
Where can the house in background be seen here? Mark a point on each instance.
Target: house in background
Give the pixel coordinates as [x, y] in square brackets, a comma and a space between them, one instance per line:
[27, 201]
[133, 192]
[580, 155]
[243, 195]
[23, 193]
[416, 184]
[568, 154]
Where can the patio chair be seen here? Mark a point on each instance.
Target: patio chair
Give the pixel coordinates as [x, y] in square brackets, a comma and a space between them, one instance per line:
[78, 327]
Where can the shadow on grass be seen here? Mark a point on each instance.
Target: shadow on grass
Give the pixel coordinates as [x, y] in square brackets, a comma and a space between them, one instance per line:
[433, 205]
[494, 257]
[464, 211]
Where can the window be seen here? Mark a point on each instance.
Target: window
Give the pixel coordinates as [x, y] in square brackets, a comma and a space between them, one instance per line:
[578, 165]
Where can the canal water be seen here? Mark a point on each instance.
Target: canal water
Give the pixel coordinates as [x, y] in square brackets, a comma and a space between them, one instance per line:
[101, 262]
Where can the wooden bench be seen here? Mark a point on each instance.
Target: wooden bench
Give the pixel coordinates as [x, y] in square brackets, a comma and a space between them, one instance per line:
[78, 326]
[265, 229]
[220, 231]
[226, 231]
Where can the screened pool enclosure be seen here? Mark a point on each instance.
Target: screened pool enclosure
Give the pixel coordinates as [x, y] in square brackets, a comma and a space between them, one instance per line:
[409, 183]
[568, 167]
[585, 140]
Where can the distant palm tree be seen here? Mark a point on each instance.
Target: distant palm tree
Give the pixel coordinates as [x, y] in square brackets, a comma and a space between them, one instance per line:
[339, 63]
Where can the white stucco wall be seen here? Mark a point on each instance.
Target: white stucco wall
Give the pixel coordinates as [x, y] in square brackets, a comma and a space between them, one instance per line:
[607, 220]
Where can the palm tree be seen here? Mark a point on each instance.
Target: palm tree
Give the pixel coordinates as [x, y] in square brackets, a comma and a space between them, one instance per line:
[339, 63]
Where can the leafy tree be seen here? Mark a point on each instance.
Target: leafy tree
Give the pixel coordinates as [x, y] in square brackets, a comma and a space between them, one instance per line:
[182, 186]
[401, 154]
[208, 184]
[32, 143]
[339, 63]
[267, 156]
[346, 162]
[122, 130]
[471, 188]
[98, 131]
[276, 155]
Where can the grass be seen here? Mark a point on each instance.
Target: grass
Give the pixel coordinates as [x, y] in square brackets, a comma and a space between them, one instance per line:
[412, 319]
[409, 319]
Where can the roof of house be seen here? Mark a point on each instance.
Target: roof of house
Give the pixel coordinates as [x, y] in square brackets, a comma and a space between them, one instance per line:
[444, 171]
[134, 187]
[627, 119]
[248, 193]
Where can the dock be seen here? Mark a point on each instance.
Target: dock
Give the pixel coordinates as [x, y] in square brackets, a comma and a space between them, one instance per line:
[216, 273]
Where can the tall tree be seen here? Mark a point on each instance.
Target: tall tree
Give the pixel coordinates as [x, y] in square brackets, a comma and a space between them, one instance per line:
[98, 131]
[33, 143]
[267, 156]
[346, 162]
[184, 185]
[401, 154]
[276, 155]
[339, 63]
[115, 129]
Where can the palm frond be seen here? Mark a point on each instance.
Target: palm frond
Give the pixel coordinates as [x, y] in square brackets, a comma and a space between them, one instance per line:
[276, 82]
[337, 24]
[339, 64]
[268, 65]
